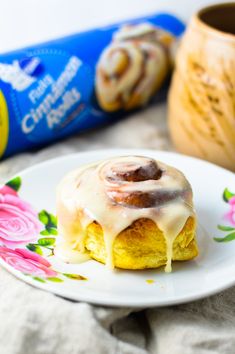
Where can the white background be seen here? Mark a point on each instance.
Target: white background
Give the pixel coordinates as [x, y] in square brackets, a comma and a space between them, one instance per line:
[24, 22]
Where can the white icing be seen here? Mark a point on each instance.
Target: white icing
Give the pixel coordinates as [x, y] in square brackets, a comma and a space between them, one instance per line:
[68, 253]
[88, 194]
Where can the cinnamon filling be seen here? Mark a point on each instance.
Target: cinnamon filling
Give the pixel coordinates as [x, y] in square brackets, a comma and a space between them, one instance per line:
[120, 173]
[133, 172]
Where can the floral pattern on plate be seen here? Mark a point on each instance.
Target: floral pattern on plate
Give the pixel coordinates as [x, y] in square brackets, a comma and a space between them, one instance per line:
[28, 238]
[228, 217]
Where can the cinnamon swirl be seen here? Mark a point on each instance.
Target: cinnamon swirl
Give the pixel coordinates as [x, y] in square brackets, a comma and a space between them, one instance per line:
[131, 212]
[132, 67]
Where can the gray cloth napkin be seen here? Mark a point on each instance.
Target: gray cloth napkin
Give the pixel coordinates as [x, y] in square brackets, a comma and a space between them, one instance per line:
[36, 322]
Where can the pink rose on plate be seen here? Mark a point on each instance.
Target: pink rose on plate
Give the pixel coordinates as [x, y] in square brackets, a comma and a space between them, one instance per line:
[230, 216]
[7, 190]
[19, 222]
[27, 262]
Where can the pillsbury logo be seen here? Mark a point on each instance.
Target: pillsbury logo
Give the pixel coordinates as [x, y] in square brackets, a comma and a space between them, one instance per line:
[20, 74]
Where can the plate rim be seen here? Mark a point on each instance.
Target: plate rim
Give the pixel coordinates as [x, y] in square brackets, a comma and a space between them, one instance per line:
[110, 303]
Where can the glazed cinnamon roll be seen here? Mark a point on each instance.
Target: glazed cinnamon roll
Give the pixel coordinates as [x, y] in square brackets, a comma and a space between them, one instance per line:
[130, 212]
[132, 67]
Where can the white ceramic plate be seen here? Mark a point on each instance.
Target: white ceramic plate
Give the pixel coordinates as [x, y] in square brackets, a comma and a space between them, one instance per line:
[33, 192]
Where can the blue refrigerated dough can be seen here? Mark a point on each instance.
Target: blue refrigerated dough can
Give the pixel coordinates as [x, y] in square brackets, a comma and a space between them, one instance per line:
[47, 90]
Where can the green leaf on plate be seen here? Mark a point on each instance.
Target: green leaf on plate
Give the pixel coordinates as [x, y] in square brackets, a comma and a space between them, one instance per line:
[55, 279]
[43, 217]
[46, 241]
[49, 220]
[229, 237]
[51, 231]
[74, 276]
[14, 183]
[225, 228]
[52, 220]
[227, 195]
[44, 233]
[39, 279]
[34, 248]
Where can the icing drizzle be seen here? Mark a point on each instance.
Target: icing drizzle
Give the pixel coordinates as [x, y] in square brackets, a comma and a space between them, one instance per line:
[115, 193]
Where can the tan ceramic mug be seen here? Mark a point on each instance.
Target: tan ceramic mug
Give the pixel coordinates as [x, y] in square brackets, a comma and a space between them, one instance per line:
[202, 94]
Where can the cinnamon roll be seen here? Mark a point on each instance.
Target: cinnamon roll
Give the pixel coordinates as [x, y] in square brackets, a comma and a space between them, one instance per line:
[130, 212]
[132, 67]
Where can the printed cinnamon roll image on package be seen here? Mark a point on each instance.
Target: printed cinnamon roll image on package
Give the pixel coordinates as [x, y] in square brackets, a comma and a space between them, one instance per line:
[51, 90]
[133, 66]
